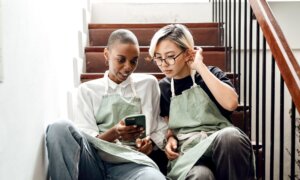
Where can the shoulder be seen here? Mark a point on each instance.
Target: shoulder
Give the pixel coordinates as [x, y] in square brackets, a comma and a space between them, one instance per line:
[215, 70]
[165, 85]
[93, 85]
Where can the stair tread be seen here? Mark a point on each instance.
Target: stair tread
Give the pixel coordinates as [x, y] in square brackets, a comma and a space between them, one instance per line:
[146, 48]
[203, 33]
[150, 25]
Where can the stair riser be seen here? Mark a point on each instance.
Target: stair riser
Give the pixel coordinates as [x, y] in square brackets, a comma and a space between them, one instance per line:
[202, 36]
[95, 62]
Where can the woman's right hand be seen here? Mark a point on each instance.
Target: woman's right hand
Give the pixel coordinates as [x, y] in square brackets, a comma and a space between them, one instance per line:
[171, 148]
[128, 133]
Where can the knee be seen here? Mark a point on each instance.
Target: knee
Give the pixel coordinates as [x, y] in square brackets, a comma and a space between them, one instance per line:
[58, 131]
[231, 139]
[149, 173]
[200, 172]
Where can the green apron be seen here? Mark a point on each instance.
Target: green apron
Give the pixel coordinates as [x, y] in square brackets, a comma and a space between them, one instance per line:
[195, 120]
[112, 109]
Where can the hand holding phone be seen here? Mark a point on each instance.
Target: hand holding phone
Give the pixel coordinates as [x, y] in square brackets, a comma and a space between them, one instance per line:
[139, 120]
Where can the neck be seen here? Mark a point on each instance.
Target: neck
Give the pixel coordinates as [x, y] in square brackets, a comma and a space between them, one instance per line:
[186, 71]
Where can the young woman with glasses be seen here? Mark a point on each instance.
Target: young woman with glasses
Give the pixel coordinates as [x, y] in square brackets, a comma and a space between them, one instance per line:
[196, 101]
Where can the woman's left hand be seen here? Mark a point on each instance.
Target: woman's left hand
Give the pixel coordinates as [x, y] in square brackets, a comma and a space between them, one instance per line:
[196, 59]
[144, 145]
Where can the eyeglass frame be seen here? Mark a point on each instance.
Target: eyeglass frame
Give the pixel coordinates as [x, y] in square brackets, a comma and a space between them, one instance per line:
[164, 60]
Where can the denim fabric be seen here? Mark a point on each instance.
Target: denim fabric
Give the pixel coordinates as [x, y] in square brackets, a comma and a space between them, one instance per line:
[71, 157]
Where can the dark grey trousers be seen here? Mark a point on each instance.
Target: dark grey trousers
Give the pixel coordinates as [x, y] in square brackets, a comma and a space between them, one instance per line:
[230, 157]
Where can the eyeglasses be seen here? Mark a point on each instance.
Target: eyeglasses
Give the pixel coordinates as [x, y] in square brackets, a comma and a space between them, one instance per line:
[169, 60]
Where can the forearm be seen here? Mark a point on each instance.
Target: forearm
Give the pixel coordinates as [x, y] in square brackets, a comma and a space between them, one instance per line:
[223, 93]
[109, 135]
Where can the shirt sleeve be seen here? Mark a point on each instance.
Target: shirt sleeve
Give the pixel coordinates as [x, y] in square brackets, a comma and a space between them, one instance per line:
[84, 118]
[164, 98]
[220, 75]
[158, 127]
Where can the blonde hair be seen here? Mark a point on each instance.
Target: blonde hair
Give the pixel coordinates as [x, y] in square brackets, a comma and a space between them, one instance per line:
[177, 33]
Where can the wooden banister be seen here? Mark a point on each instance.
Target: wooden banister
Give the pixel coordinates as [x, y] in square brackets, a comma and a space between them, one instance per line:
[284, 57]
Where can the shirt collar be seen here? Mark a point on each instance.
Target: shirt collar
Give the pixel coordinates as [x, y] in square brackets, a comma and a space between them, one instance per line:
[114, 85]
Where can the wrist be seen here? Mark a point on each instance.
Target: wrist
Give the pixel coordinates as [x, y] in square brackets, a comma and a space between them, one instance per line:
[117, 132]
[201, 67]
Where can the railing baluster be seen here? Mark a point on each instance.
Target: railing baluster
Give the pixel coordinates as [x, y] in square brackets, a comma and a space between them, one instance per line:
[234, 42]
[257, 92]
[219, 11]
[281, 148]
[250, 67]
[272, 115]
[293, 140]
[216, 10]
[264, 68]
[213, 11]
[229, 38]
[239, 45]
[245, 67]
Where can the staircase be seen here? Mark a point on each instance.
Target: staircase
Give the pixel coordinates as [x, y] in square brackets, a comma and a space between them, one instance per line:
[220, 40]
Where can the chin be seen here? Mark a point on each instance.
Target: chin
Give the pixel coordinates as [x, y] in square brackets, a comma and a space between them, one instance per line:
[169, 75]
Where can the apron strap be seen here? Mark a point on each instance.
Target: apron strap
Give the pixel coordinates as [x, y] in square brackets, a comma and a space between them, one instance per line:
[106, 83]
[193, 73]
[132, 87]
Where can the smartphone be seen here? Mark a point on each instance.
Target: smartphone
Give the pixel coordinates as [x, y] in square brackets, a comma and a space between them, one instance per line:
[137, 119]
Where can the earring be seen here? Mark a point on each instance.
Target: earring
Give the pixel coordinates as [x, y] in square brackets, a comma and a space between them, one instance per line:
[106, 63]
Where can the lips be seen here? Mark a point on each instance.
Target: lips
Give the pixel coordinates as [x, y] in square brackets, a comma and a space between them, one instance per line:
[124, 75]
[167, 71]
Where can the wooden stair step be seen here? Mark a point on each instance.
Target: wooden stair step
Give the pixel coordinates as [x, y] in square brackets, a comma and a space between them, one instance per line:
[95, 61]
[205, 34]
[84, 77]
[238, 118]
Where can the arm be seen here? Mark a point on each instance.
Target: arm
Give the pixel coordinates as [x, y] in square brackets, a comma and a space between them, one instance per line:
[158, 127]
[227, 97]
[171, 146]
[86, 122]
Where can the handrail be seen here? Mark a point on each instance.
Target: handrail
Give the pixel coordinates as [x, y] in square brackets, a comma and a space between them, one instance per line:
[284, 57]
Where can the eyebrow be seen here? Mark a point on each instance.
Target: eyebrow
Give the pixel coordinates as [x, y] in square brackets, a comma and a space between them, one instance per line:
[164, 53]
[122, 56]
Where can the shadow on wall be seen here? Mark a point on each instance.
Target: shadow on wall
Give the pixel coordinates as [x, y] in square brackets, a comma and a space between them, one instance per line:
[41, 163]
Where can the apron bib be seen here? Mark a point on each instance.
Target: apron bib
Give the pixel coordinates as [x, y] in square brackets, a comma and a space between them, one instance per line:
[112, 109]
[195, 120]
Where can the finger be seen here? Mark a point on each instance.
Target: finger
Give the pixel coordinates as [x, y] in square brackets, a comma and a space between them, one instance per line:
[122, 122]
[200, 50]
[138, 142]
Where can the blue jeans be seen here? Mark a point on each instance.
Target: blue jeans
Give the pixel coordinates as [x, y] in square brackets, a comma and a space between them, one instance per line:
[72, 157]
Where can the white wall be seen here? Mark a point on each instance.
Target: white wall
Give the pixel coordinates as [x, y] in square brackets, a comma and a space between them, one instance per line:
[126, 12]
[1, 71]
[40, 40]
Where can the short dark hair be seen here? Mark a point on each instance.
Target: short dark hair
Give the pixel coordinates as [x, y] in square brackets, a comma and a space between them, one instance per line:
[123, 36]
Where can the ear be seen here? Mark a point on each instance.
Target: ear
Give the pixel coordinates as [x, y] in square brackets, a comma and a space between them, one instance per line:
[189, 55]
[106, 54]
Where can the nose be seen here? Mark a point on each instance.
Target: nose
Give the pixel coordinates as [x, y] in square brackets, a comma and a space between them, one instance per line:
[164, 63]
[128, 66]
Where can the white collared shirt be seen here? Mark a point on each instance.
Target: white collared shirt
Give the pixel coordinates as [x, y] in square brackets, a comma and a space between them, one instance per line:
[147, 88]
